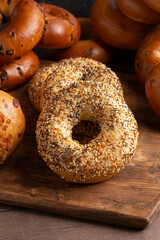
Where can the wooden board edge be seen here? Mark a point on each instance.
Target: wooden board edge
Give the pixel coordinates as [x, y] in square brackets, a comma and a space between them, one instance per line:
[153, 214]
[81, 212]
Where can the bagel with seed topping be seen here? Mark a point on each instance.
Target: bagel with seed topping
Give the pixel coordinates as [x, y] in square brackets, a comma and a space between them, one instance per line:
[85, 132]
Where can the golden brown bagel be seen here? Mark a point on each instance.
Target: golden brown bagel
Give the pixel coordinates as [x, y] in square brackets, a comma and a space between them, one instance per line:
[12, 125]
[62, 28]
[137, 10]
[89, 49]
[23, 32]
[89, 46]
[18, 72]
[154, 4]
[115, 28]
[152, 88]
[148, 55]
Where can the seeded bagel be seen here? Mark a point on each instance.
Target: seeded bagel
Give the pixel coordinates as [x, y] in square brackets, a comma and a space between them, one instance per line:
[82, 95]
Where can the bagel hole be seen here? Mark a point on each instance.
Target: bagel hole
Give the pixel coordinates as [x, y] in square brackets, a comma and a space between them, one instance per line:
[85, 131]
[5, 23]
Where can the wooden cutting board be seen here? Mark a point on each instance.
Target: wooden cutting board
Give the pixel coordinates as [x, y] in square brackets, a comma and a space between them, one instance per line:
[132, 197]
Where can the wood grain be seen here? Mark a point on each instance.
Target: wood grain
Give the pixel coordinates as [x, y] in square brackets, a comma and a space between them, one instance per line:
[132, 197]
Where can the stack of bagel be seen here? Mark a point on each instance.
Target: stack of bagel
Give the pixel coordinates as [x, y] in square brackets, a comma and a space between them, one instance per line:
[18, 63]
[66, 36]
[85, 132]
[133, 25]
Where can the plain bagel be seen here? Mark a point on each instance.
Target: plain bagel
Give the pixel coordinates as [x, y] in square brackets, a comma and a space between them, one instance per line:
[114, 28]
[61, 27]
[138, 11]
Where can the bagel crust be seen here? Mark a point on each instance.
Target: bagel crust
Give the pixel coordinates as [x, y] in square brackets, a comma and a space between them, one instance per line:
[85, 90]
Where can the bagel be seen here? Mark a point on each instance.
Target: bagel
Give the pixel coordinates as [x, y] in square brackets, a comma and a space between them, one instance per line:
[18, 72]
[61, 29]
[12, 125]
[23, 32]
[87, 31]
[114, 28]
[82, 90]
[155, 5]
[152, 89]
[137, 10]
[147, 55]
[89, 49]
[38, 93]
[36, 84]
[89, 46]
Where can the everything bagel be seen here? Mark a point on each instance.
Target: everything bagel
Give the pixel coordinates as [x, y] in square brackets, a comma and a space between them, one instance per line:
[82, 90]
[37, 83]
[23, 32]
[61, 28]
[37, 86]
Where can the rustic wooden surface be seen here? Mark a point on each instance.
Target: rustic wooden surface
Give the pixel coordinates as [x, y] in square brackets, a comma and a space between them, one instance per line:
[130, 198]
